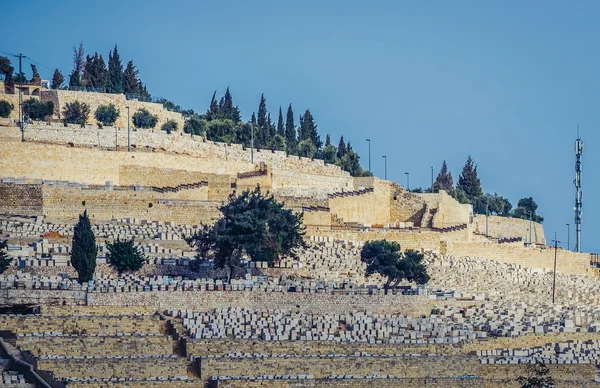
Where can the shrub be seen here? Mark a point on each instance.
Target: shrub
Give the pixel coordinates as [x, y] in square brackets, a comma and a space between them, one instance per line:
[107, 114]
[144, 119]
[76, 113]
[307, 149]
[195, 125]
[169, 126]
[4, 258]
[125, 256]
[5, 108]
[37, 110]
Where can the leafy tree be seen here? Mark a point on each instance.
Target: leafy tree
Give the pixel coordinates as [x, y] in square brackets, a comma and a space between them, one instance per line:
[195, 125]
[243, 134]
[78, 65]
[84, 250]
[35, 76]
[278, 143]
[290, 131]
[306, 149]
[20, 78]
[329, 154]
[5, 260]
[444, 179]
[144, 119]
[169, 126]
[76, 113]
[5, 108]
[351, 162]
[280, 125]
[125, 256]
[469, 181]
[96, 75]
[37, 110]
[459, 195]
[308, 130]
[538, 376]
[115, 72]
[253, 225]
[107, 114]
[221, 130]
[5, 67]
[385, 258]
[341, 150]
[57, 79]
[495, 204]
[525, 207]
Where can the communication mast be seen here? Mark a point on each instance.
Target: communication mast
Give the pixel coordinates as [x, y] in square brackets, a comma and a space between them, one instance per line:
[578, 193]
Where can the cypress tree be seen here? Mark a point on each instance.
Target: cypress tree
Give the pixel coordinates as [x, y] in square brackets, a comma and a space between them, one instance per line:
[100, 73]
[444, 179]
[327, 140]
[271, 127]
[308, 130]
[115, 72]
[5, 260]
[213, 111]
[84, 250]
[290, 132]
[280, 126]
[57, 79]
[131, 84]
[78, 65]
[263, 129]
[469, 182]
[341, 151]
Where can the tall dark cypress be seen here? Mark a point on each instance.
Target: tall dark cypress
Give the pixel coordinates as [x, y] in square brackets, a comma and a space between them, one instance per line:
[444, 179]
[291, 140]
[308, 130]
[84, 250]
[213, 111]
[327, 140]
[261, 120]
[280, 126]
[469, 182]
[341, 151]
[115, 72]
[5, 259]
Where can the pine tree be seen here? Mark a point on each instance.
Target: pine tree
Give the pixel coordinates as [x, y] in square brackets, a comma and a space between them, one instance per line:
[101, 76]
[131, 84]
[308, 130]
[5, 260]
[444, 179]
[290, 132]
[327, 140]
[280, 126]
[341, 151]
[78, 66]
[115, 72]
[469, 182]
[88, 71]
[57, 79]
[213, 112]
[84, 250]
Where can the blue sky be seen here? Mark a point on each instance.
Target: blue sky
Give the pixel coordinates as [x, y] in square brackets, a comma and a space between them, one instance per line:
[506, 82]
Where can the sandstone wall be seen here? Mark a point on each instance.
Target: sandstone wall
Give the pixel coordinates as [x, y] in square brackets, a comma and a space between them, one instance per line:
[20, 199]
[499, 227]
[94, 100]
[407, 207]
[363, 207]
[14, 100]
[449, 211]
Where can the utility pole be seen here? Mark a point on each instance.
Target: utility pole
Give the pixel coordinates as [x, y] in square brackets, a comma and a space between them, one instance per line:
[432, 179]
[554, 278]
[487, 214]
[578, 193]
[568, 237]
[252, 142]
[530, 227]
[369, 141]
[385, 167]
[128, 132]
[407, 180]
[21, 123]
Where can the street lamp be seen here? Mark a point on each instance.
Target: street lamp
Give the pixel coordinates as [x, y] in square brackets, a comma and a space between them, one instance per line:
[252, 142]
[568, 237]
[369, 141]
[407, 180]
[432, 179]
[385, 167]
[128, 132]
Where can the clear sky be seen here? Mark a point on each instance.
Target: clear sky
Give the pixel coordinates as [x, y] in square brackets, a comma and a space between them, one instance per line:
[506, 82]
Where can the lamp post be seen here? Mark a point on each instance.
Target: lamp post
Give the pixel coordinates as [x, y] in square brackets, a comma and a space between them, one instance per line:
[407, 180]
[568, 237]
[128, 132]
[554, 274]
[369, 141]
[432, 179]
[252, 142]
[385, 167]
[530, 227]
[487, 214]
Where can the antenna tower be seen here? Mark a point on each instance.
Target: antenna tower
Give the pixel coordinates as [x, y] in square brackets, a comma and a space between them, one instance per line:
[578, 193]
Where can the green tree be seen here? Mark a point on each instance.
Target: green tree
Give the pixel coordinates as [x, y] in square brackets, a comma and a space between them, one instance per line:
[385, 258]
[169, 126]
[329, 154]
[5, 108]
[96, 75]
[76, 113]
[78, 66]
[444, 179]
[227, 111]
[115, 72]
[144, 119]
[195, 125]
[253, 225]
[131, 82]
[538, 376]
[262, 133]
[341, 150]
[306, 149]
[57, 79]
[84, 250]
[221, 130]
[290, 132]
[107, 114]
[243, 134]
[5, 67]
[278, 143]
[525, 207]
[34, 109]
[308, 130]
[495, 204]
[469, 181]
[351, 162]
[5, 259]
[280, 125]
[125, 256]
[459, 195]
[213, 112]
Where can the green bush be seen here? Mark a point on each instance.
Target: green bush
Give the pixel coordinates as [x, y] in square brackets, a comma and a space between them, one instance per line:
[144, 119]
[37, 110]
[5, 108]
[107, 114]
[169, 126]
[195, 125]
[76, 113]
[125, 256]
